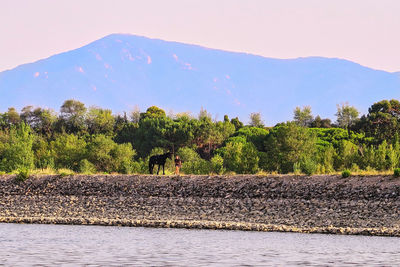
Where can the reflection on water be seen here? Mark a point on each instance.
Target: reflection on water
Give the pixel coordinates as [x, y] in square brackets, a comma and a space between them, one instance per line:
[66, 245]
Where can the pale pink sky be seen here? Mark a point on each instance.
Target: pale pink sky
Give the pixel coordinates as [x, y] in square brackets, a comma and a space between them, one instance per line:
[364, 31]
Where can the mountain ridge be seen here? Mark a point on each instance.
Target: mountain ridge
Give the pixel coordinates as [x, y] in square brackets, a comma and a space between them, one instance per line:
[120, 71]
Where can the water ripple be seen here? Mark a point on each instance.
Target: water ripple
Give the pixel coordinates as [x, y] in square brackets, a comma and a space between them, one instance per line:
[67, 245]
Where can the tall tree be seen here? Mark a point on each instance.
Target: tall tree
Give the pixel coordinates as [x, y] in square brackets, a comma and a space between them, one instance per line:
[17, 152]
[382, 120]
[73, 115]
[289, 144]
[256, 120]
[303, 117]
[346, 116]
[12, 116]
[100, 121]
[321, 123]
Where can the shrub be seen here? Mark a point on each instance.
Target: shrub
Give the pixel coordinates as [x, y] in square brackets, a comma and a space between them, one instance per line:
[396, 172]
[355, 168]
[241, 157]
[23, 175]
[140, 166]
[192, 163]
[68, 150]
[86, 167]
[217, 164]
[17, 151]
[308, 166]
[346, 173]
[297, 168]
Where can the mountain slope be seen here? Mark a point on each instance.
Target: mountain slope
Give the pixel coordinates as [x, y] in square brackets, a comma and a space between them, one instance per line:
[121, 71]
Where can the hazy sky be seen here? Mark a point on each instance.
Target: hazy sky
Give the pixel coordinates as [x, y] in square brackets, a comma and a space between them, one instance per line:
[364, 31]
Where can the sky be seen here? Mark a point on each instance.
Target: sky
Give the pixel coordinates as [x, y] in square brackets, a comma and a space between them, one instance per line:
[363, 31]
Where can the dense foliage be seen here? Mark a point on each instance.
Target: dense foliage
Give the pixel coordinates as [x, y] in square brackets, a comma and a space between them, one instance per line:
[89, 140]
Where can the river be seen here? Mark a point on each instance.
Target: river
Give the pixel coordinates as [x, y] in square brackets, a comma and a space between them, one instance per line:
[73, 245]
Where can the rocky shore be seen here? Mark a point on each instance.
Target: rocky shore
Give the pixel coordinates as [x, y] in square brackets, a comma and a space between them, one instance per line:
[368, 205]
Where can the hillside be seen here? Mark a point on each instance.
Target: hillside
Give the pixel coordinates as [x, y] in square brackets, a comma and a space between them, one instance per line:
[121, 71]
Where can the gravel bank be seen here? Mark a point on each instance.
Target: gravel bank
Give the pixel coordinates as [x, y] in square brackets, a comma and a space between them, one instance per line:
[319, 204]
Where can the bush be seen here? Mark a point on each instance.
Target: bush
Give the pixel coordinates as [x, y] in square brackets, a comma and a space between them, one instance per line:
[217, 164]
[17, 151]
[23, 175]
[396, 172]
[192, 163]
[297, 168]
[241, 158]
[86, 167]
[68, 150]
[346, 173]
[308, 166]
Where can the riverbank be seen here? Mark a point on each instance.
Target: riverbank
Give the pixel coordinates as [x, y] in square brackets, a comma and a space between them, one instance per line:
[367, 205]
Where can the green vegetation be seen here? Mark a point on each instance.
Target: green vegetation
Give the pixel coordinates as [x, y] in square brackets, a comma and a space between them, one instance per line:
[22, 175]
[346, 173]
[396, 172]
[91, 140]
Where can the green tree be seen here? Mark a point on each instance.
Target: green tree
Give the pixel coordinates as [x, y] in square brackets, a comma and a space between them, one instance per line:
[240, 157]
[346, 116]
[72, 117]
[40, 120]
[153, 112]
[135, 114]
[217, 164]
[288, 144]
[347, 154]
[321, 123]
[203, 114]
[42, 151]
[108, 156]
[254, 135]
[303, 117]
[256, 120]
[17, 152]
[12, 116]
[100, 121]
[192, 162]
[151, 133]
[68, 150]
[237, 123]
[382, 120]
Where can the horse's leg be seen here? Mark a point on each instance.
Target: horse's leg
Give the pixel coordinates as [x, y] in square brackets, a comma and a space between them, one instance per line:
[163, 172]
[158, 168]
[151, 166]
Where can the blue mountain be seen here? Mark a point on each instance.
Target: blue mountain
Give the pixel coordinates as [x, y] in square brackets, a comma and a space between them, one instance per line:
[120, 71]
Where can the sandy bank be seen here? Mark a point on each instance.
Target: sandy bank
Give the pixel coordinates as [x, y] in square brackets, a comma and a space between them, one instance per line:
[319, 204]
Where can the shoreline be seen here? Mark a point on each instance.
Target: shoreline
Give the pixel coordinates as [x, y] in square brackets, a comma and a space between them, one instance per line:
[323, 204]
[209, 225]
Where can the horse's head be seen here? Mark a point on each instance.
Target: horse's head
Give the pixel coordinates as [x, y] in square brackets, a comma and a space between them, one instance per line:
[169, 155]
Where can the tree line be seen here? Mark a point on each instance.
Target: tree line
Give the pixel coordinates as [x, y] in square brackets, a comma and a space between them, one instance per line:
[91, 140]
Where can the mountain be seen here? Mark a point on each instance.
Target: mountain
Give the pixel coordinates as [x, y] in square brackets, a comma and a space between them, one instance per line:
[120, 71]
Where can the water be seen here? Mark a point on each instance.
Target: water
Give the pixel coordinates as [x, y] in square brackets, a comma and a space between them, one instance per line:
[66, 245]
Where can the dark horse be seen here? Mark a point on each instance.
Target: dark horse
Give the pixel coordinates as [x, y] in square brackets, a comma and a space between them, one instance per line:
[159, 160]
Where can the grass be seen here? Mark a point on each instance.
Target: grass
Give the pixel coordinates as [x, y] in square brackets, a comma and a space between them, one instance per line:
[65, 172]
[46, 171]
